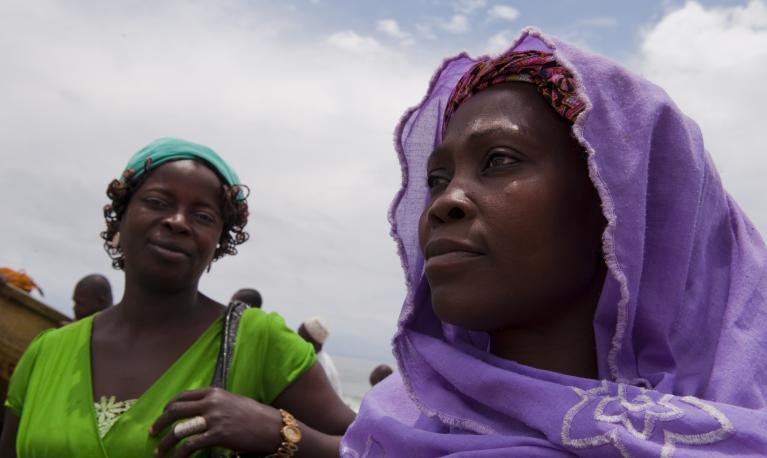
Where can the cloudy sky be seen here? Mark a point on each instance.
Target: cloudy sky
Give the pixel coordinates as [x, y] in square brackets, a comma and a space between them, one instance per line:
[301, 97]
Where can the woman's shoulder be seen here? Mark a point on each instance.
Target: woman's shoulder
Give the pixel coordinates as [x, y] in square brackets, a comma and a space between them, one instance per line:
[268, 355]
[267, 332]
[256, 320]
[44, 352]
[55, 337]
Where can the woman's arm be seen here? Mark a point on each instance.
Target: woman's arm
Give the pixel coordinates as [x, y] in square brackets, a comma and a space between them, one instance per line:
[313, 401]
[8, 438]
[323, 415]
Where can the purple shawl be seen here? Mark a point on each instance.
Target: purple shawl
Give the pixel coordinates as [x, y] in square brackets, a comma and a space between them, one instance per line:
[681, 325]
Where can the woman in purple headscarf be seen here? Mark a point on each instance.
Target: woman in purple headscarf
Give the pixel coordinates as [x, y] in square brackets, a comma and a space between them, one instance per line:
[579, 282]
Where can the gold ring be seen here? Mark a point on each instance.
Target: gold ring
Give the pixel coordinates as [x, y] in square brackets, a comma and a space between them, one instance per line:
[192, 426]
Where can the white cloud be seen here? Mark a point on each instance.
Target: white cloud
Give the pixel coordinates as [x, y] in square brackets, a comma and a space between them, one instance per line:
[504, 12]
[457, 24]
[426, 31]
[499, 42]
[713, 62]
[391, 28]
[352, 41]
[469, 6]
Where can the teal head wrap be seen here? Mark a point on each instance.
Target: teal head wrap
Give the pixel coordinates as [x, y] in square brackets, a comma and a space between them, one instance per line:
[172, 149]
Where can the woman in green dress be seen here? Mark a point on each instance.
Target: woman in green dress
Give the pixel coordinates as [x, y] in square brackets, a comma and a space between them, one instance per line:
[135, 379]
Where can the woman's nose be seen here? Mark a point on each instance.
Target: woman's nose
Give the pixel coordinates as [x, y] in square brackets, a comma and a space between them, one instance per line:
[451, 205]
[177, 222]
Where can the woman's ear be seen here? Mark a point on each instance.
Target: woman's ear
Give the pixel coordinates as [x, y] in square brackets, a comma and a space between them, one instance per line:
[115, 242]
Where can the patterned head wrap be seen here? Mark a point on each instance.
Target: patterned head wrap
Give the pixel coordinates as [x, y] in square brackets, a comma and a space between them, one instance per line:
[553, 81]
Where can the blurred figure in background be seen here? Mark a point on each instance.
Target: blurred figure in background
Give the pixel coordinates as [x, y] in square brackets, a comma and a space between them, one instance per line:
[379, 373]
[249, 296]
[316, 332]
[92, 294]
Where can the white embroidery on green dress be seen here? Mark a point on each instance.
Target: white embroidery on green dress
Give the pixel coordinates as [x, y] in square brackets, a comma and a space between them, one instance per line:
[108, 410]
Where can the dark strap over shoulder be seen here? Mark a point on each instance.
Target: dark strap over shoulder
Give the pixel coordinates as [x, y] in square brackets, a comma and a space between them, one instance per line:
[231, 322]
[228, 338]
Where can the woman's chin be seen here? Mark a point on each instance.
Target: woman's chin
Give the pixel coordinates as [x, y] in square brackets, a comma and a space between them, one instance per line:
[462, 313]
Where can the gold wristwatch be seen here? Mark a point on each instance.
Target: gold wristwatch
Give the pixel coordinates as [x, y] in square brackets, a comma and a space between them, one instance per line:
[291, 436]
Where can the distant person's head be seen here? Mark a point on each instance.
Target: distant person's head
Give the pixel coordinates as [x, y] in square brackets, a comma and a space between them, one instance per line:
[379, 373]
[92, 294]
[314, 331]
[249, 296]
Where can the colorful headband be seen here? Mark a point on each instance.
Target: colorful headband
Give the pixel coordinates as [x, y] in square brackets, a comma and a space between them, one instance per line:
[553, 81]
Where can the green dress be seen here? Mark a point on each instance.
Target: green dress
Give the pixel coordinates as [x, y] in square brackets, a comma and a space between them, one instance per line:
[51, 388]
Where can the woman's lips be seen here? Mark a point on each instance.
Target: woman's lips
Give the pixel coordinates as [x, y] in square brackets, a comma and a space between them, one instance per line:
[443, 253]
[450, 259]
[168, 252]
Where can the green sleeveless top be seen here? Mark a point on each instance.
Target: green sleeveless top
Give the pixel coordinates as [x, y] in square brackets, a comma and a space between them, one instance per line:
[51, 387]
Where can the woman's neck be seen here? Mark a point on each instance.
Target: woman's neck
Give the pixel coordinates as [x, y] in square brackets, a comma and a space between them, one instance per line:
[146, 309]
[564, 344]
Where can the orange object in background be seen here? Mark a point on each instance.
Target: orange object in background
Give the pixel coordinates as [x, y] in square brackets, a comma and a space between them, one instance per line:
[23, 317]
[20, 280]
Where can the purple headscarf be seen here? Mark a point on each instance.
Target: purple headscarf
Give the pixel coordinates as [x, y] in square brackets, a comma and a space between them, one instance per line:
[681, 324]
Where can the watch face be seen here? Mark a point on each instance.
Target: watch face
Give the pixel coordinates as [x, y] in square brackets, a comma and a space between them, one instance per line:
[291, 433]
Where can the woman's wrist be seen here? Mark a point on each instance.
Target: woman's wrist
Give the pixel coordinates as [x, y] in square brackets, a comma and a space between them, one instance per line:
[289, 436]
[270, 429]
[274, 427]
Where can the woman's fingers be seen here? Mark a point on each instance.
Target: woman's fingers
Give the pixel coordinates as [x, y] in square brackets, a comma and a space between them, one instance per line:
[193, 444]
[174, 411]
[168, 441]
[190, 429]
[191, 395]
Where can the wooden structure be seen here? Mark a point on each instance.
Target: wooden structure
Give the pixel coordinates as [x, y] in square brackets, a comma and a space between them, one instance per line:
[22, 317]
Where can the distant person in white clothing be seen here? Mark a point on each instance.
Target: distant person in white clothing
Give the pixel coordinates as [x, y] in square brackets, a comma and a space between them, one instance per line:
[316, 332]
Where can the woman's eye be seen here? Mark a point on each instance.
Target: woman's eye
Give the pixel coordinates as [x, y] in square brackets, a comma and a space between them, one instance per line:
[499, 160]
[433, 181]
[154, 202]
[205, 218]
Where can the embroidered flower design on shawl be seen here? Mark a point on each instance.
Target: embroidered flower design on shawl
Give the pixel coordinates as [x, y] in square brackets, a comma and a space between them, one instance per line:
[641, 416]
[108, 410]
[372, 449]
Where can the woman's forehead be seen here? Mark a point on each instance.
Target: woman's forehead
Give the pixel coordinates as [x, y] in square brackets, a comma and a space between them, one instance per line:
[188, 173]
[509, 107]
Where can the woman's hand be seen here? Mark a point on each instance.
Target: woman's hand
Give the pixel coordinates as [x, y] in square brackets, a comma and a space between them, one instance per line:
[233, 422]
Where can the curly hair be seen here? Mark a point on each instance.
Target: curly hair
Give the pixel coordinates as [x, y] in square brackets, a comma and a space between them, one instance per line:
[234, 210]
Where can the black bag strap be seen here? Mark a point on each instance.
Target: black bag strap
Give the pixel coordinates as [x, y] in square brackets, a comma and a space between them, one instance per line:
[231, 323]
[234, 312]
